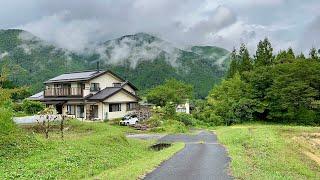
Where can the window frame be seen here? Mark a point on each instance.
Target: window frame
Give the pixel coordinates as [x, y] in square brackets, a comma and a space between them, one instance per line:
[131, 106]
[71, 110]
[117, 109]
[116, 84]
[94, 87]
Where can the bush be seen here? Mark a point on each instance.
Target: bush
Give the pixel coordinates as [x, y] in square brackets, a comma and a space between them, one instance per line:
[173, 126]
[186, 119]
[113, 121]
[154, 121]
[6, 123]
[32, 107]
[17, 107]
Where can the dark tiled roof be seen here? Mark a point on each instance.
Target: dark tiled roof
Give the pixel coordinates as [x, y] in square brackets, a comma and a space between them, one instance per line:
[76, 76]
[130, 84]
[37, 96]
[105, 93]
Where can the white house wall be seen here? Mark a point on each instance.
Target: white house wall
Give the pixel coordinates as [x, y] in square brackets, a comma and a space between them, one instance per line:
[129, 88]
[121, 96]
[105, 80]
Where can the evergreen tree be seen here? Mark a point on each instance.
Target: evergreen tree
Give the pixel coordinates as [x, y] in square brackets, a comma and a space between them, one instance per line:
[264, 55]
[245, 60]
[234, 65]
[290, 54]
[301, 56]
[314, 54]
[281, 56]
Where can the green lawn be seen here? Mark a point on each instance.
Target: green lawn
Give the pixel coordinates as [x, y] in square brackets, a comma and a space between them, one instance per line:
[272, 151]
[88, 150]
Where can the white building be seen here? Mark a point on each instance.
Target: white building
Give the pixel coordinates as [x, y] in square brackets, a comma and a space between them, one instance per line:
[89, 95]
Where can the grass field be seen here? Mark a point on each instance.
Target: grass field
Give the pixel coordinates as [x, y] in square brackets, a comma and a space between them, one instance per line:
[272, 151]
[88, 150]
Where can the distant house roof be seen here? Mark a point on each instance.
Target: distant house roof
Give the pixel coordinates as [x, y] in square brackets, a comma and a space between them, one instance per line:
[108, 92]
[38, 96]
[76, 76]
[84, 76]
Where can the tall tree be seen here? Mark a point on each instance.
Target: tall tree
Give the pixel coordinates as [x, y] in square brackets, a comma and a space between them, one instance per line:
[290, 54]
[234, 65]
[301, 56]
[264, 54]
[171, 91]
[314, 54]
[245, 60]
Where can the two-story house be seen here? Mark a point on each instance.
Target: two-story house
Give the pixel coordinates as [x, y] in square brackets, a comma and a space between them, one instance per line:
[90, 95]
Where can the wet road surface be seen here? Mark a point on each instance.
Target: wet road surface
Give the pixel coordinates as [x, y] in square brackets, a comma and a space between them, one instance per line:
[201, 159]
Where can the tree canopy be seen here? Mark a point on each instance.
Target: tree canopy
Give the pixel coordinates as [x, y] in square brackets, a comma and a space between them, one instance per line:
[171, 91]
[282, 88]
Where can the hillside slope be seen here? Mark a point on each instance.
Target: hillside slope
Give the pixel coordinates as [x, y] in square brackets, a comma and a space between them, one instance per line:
[141, 58]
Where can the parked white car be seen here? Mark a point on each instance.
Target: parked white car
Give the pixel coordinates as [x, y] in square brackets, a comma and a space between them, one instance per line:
[128, 120]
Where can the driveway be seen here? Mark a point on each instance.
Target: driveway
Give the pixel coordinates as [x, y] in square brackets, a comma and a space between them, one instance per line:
[203, 158]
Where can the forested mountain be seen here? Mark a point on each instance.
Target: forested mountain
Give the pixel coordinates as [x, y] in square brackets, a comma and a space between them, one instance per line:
[141, 58]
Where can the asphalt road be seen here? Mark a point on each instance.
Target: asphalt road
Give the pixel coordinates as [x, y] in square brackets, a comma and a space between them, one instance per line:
[202, 159]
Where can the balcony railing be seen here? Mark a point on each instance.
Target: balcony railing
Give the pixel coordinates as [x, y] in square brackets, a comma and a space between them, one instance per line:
[63, 92]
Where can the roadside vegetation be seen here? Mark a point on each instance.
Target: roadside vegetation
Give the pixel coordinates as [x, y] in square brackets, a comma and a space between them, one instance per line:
[264, 151]
[86, 150]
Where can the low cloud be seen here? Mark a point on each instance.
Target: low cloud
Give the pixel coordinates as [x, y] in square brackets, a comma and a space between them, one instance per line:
[81, 25]
[311, 35]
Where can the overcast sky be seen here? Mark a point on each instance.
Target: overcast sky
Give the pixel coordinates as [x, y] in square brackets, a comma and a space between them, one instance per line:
[74, 24]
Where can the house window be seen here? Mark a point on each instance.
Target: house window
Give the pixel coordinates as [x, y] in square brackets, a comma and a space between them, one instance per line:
[114, 107]
[71, 110]
[116, 84]
[94, 87]
[131, 106]
[80, 111]
[93, 113]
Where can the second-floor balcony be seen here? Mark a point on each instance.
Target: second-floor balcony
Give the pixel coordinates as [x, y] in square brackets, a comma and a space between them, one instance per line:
[63, 92]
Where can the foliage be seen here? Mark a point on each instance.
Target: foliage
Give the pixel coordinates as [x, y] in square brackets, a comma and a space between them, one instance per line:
[172, 91]
[186, 119]
[32, 107]
[264, 55]
[284, 89]
[7, 125]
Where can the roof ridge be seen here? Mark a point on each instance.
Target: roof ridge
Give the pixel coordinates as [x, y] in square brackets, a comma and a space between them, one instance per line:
[84, 71]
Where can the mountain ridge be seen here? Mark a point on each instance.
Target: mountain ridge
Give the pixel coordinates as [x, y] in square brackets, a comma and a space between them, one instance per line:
[144, 59]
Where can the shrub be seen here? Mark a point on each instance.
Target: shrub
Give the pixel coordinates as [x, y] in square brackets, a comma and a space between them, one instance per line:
[6, 123]
[113, 121]
[154, 121]
[186, 119]
[32, 107]
[173, 126]
[17, 107]
[170, 110]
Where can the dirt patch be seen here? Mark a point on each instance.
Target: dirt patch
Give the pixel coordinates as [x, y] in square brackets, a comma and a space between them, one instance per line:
[313, 157]
[311, 145]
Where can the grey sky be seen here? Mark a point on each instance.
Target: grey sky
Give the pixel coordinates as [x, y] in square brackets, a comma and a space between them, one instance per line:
[75, 24]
